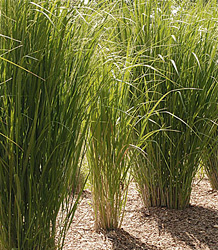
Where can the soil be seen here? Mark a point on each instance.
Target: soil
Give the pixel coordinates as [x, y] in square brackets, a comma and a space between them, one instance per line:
[196, 227]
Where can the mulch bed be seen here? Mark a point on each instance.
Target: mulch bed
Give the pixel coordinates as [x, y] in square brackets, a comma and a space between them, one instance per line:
[195, 227]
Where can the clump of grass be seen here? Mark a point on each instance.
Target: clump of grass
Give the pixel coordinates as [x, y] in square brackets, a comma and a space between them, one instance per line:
[46, 49]
[189, 62]
[176, 56]
[108, 148]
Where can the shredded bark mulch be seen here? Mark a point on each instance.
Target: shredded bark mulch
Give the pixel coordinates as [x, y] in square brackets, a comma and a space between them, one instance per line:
[196, 227]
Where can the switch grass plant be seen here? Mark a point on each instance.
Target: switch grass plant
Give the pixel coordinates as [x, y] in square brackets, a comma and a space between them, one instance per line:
[45, 54]
[175, 48]
[108, 148]
[188, 56]
[110, 130]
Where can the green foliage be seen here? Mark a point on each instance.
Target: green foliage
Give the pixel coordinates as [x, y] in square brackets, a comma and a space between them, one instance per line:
[46, 50]
[108, 146]
[110, 151]
[185, 52]
[138, 77]
[175, 49]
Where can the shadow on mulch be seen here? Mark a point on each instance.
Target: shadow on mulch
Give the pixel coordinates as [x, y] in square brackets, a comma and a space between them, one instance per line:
[194, 225]
[123, 240]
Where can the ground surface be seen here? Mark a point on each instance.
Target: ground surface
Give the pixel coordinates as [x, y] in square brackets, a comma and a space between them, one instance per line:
[155, 229]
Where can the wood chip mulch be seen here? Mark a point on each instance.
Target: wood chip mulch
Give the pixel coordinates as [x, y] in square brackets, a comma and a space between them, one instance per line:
[195, 227]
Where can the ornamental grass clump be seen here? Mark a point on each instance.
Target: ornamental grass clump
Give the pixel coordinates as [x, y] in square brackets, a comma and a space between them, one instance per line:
[45, 54]
[188, 57]
[175, 49]
[108, 148]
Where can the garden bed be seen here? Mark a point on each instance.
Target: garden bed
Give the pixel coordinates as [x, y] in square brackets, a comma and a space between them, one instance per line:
[195, 227]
